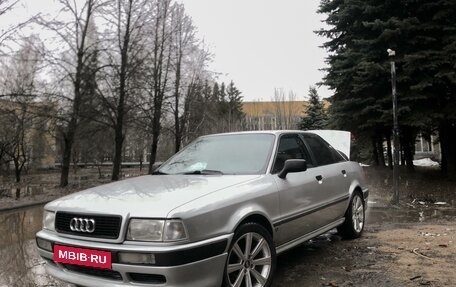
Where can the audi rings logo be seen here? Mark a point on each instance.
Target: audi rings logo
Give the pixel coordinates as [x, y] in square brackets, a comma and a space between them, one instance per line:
[86, 225]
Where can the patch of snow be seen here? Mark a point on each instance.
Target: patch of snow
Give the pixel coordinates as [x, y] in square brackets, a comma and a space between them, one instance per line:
[425, 162]
[440, 203]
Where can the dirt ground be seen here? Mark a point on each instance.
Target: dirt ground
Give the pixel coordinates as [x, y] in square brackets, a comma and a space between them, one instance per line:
[387, 255]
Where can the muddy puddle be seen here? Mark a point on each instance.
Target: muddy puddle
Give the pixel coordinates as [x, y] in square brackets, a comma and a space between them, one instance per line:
[20, 264]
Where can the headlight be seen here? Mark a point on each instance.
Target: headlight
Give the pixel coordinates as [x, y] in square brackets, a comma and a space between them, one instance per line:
[48, 220]
[174, 231]
[156, 230]
[145, 230]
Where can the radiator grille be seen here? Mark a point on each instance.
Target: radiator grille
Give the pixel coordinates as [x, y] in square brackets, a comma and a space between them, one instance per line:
[105, 226]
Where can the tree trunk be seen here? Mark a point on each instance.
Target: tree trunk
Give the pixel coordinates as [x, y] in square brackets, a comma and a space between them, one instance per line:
[66, 159]
[177, 130]
[155, 137]
[381, 156]
[100, 176]
[408, 138]
[72, 126]
[375, 152]
[75, 114]
[117, 161]
[447, 133]
[178, 139]
[160, 77]
[401, 154]
[118, 128]
[17, 171]
[389, 151]
[118, 137]
[408, 154]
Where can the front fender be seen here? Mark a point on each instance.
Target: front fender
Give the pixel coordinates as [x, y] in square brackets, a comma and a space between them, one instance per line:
[221, 212]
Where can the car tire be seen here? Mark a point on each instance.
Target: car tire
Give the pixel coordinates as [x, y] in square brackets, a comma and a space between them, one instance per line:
[251, 256]
[355, 217]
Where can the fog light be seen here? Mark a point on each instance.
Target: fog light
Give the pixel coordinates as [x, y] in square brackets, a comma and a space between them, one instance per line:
[44, 244]
[136, 258]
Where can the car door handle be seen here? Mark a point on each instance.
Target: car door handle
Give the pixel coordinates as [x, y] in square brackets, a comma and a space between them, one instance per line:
[319, 179]
[344, 173]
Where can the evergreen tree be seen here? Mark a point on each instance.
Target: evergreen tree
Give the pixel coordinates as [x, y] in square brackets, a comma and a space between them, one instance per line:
[315, 117]
[234, 102]
[423, 33]
[214, 108]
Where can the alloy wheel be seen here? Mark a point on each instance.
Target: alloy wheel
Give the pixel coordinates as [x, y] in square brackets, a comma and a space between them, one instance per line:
[357, 214]
[249, 261]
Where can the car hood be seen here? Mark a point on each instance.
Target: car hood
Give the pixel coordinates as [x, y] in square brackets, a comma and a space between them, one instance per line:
[145, 196]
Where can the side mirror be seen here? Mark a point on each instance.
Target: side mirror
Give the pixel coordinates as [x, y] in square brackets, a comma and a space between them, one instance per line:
[293, 165]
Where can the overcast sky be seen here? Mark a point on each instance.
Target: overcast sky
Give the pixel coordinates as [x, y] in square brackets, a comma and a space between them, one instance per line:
[263, 44]
[259, 44]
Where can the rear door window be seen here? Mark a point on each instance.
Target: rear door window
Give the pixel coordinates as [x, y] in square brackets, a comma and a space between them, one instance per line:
[323, 153]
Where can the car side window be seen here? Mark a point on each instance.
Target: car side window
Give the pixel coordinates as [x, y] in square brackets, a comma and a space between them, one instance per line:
[290, 147]
[338, 156]
[324, 154]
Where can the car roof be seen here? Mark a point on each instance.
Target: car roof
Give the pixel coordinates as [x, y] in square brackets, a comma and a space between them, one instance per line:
[274, 132]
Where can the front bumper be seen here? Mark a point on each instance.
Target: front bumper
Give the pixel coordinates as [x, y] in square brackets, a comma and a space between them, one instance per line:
[195, 264]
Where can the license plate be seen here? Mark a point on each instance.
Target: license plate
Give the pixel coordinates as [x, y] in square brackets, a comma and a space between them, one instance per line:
[82, 256]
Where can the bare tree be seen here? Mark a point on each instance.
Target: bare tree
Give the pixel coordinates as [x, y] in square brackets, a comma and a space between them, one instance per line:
[161, 57]
[18, 80]
[6, 32]
[76, 34]
[9, 34]
[183, 41]
[286, 111]
[193, 115]
[126, 43]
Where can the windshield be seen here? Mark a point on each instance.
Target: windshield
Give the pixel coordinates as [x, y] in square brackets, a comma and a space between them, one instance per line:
[223, 154]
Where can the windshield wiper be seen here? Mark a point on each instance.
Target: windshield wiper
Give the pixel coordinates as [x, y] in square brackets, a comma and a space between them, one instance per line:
[204, 172]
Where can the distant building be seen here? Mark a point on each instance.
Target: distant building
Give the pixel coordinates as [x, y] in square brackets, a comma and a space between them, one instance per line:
[273, 115]
[427, 147]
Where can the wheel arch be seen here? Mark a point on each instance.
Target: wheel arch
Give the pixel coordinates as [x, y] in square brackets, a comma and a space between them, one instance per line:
[355, 187]
[259, 218]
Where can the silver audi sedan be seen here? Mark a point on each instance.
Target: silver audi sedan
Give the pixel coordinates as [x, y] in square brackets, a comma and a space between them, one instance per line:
[215, 214]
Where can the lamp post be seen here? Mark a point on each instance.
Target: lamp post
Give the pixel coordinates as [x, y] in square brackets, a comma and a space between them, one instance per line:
[395, 200]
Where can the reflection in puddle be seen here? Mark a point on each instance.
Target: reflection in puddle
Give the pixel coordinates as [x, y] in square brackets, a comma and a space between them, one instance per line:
[20, 264]
[23, 192]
